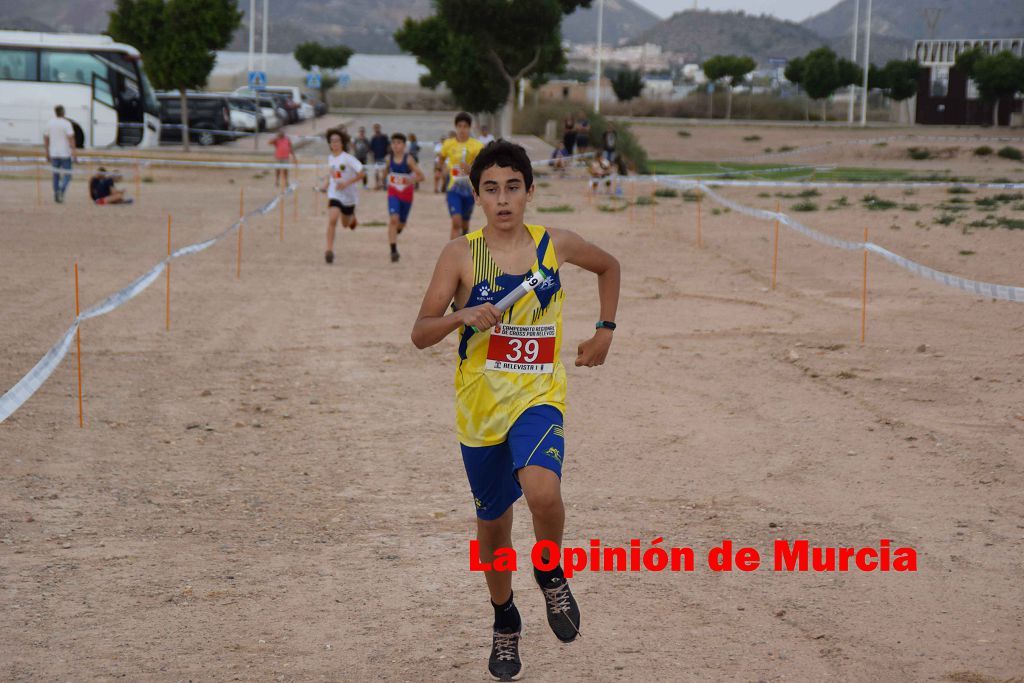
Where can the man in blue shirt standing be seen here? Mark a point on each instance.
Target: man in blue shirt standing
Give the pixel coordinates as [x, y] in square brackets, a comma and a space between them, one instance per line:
[380, 144]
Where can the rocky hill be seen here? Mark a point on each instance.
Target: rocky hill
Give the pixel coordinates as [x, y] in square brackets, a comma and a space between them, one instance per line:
[908, 19]
[364, 25]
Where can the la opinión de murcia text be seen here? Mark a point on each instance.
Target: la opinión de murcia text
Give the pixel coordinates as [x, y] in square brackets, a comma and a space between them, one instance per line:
[788, 556]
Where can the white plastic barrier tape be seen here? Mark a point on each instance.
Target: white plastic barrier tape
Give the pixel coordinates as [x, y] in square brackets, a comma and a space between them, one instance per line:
[30, 383]
[153, 161]
[941, 184]
[994, 291]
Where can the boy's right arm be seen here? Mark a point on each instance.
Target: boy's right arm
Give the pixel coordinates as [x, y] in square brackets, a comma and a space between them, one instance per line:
[433, 324]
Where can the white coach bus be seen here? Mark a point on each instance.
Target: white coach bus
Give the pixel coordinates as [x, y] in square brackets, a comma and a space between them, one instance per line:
[101, 84]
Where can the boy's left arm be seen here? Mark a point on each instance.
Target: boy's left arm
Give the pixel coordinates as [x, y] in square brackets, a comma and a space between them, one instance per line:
[575, 250]
[417, 173]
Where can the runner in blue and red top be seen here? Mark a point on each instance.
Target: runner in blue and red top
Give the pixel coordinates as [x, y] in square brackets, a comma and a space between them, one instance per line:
[403, 174]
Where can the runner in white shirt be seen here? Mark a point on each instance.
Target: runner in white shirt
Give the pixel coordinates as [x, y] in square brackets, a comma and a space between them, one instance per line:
[485, 136]
[341, 186]
[59, 141]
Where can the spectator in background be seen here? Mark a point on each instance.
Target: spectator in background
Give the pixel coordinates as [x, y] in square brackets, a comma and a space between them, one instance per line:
[282, 153]
[59, 141]
[414, 147]
[608, 143]
[569, 133]
[582, 133]
[380, 144]
[361, 149]
[102, 190]
[485, 136]
[439, 162]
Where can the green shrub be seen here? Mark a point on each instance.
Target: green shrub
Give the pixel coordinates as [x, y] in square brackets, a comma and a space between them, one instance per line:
[1010, 153]
[786, 148]
[874, 203]
[692, 195]
[806, 205]
[683, 133]
[148, 179]
[767, 150]
[752, 138]
[919, 153]
[957, 189]
[1010, 223]
[986, 202]
[982, 151]
[609, 208]
[644, 200]
[763, 195]
[966, 252]
[911, 207]
[558, 208]
[665, 192]
[945, 219]
[809, 193]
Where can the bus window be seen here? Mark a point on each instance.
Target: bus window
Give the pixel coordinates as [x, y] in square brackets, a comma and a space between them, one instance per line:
[18, 65]
[71, 67]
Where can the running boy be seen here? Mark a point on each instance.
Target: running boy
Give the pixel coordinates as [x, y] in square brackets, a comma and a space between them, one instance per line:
[282, 153]
[402, 178]
[510, 384]
[341, 187]
[459, 153]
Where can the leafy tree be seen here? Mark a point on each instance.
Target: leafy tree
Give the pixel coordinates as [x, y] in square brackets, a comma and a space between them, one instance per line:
[310, 54]
[177, 38]
[482, 61]
[821, 77]
[794, 73]
[732, 68]
[998, 76]
[627, 84]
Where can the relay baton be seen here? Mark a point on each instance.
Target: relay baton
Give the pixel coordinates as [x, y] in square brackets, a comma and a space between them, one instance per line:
[527, 285]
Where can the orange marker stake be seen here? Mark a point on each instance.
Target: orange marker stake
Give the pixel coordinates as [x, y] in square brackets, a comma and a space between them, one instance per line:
[775, 254]
[167, 316]
[864, 293]
[700, 243]
[78, 342]
[138, 182]
[241, 202]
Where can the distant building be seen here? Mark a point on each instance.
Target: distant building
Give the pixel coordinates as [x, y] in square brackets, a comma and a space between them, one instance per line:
[945, 96]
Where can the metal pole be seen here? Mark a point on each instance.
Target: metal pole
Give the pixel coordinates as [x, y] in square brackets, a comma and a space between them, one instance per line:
[600, 30]
[252, 30]
[263, 58]
[853, 57]
[867, 65]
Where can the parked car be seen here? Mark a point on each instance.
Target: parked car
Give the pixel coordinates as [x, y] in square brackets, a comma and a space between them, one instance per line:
[295, 95]
[209, 117]
[280, 100]
[245, 114]
[308, 109]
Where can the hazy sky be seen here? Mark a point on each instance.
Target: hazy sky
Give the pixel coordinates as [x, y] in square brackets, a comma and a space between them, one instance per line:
[794, 10]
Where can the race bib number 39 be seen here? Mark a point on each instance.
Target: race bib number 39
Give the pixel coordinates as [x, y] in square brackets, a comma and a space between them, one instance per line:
[525, 349]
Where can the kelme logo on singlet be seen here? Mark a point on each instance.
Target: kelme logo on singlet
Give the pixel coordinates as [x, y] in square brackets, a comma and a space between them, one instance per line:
[548, 283]
[554, 454]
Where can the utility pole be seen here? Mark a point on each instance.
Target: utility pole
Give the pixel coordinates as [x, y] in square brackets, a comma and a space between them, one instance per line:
[600, 29]
[252, 31]
[263, 59]
[867, 66]
[853, 58]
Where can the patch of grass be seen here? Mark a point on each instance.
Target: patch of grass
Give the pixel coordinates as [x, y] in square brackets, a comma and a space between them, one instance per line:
[692, 195]
[767, 150]
[1008, 197]
[919, 153]
[683, 133]
[1012, 153]
[986, 202]
[149, 179]
[644, 200]
[665, 192]
[841, 202]
[786, 148]
[874, 203]
[716, 212]
[764, 195]
[911, 207]
[543, 183]
[957, 189]
[1010, 223]
[752, 138]
[806, 205]
[983, 151]
[558, 208]
[881, 144]
[1018, 207]
[952, 207]
[984, 223]
[966, 252]
[608, 208]
[809, 193]
[945, 219]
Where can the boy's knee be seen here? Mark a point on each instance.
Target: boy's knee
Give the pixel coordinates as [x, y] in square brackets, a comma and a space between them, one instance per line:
[545, 502]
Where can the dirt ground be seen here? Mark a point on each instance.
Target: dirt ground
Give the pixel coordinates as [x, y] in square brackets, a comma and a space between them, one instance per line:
[819, 144]
[273, 491]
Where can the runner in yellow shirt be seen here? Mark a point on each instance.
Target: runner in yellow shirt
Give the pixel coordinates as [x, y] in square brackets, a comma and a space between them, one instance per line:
[459, 153]
[510, 383]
